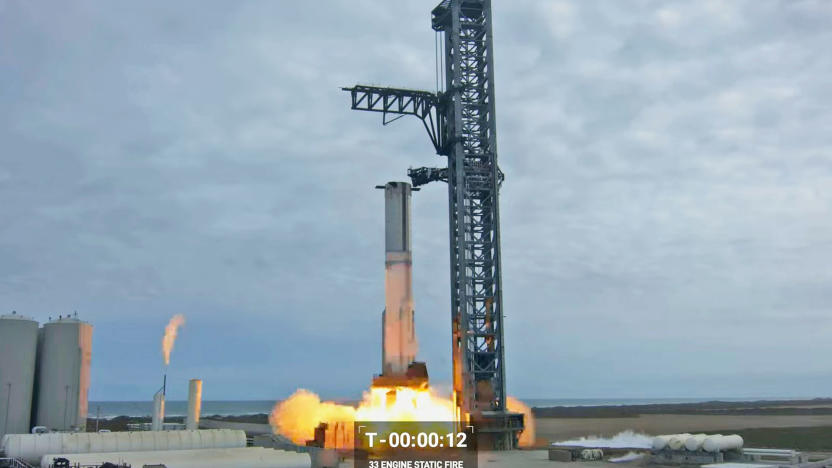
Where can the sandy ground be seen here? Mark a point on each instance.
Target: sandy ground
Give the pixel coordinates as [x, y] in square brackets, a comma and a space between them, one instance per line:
[557, 429]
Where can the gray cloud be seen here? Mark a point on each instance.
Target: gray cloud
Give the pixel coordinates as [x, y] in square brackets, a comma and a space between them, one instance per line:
[665, 212]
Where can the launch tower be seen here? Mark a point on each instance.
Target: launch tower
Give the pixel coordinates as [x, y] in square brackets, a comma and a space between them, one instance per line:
[460, 119]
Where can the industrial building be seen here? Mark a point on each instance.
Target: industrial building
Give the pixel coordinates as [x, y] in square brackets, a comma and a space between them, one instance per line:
[198, 448]
[32, 447]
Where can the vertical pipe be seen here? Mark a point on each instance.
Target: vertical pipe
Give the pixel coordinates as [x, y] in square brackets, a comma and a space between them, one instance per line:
[157, 422]
[194, 404]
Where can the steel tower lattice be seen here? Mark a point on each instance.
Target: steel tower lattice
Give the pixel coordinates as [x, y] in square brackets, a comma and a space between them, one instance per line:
[462, 126]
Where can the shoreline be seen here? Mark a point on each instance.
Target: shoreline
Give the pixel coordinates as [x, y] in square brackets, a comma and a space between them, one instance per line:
[542, 407]
[586, 418]
[814, 406]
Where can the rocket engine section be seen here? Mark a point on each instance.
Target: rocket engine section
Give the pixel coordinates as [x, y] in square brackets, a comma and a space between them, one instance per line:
[399, 344]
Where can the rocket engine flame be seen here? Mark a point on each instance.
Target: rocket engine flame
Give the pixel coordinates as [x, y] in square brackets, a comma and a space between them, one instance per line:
[299, 415]
[170, 335]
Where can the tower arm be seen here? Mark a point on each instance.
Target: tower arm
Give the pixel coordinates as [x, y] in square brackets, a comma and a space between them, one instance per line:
[400, 102]
[424, 175]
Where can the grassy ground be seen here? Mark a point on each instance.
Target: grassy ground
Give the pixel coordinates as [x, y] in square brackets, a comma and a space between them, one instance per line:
[799, 438]
[819, 406]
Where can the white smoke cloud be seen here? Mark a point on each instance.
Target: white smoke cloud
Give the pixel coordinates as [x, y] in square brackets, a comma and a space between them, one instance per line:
[625, 439]
[630, 456]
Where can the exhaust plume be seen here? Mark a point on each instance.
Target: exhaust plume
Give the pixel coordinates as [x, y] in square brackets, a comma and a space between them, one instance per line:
[170, 335]
[299, 415]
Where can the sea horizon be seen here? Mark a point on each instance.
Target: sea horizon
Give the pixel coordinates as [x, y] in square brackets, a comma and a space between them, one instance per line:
[177, 408]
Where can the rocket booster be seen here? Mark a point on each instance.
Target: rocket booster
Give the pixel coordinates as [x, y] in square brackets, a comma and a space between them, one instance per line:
[399, 345]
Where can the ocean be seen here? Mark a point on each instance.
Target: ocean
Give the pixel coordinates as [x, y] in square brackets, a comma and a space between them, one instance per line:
[111, 409]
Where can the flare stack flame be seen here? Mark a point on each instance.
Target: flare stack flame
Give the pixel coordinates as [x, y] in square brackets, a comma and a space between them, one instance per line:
[170, 335]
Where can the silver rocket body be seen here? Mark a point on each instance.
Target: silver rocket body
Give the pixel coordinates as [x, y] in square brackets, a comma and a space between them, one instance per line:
[399, 345]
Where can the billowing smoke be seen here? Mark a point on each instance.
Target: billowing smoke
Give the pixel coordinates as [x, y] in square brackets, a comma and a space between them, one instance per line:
[170, 335]
[625, 439]
[297, 416]
[527, 436]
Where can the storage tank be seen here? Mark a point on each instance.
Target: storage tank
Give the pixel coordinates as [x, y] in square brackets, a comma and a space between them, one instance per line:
[252, 457]
[63, 379]
[695, 442]
[194, 404]
[32, 447]
[660, 442]
[718, 443]
[677, 441]
[18, 348]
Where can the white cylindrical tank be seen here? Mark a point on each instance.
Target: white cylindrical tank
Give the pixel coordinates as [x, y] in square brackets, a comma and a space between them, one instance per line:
[31, 447]
[194, 404]
[252, 457]
[18, 349]
[718, 443]
[695, 441]
[660, 442]
[64, 356]
[677, 441]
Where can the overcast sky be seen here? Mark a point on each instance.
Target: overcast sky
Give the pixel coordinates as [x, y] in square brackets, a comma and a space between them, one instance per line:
[666, 211]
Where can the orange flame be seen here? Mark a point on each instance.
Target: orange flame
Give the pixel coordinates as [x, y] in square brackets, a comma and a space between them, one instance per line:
[527, 436]
[170, 335]
[299, 415]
